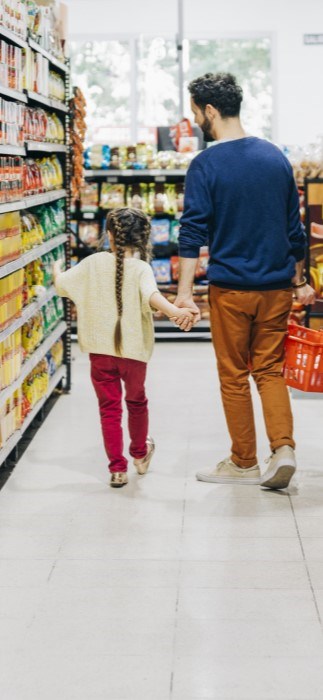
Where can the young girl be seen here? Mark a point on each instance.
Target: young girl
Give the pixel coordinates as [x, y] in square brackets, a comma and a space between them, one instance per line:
[114, 296]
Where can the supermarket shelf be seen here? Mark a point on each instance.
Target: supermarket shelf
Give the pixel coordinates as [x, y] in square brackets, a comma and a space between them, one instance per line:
[33, 361]
[12, 37]
[12, 206]
[46, 147]
[14, 439]
[134, 173]
[28, 312]
[33, 254]
[14, 94]
[33, 201]
[47, 101]
[36, 200]
[52, 59]
[6, 150]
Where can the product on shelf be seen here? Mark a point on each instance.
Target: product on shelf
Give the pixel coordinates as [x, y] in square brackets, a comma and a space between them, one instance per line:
[11, 244]
[11, 73]
[162, 270]
[174, 232]
[42, 126]
[89, 234]
[89, 197]
[52, 218]
[35, 387]
[52, 313]
[140, 157]
[160, 231]
[31, 230]
[32, 334]
[112, 196]
[10, 359]
[10, 298]
[13, 16]
[11, 123]
[202, 263]
[33, 281]
[174, 261]
[42, 175]
[56, 86]
[10, 416]
[44, 27]
[137, 197]
[55, 357]
[11, 178]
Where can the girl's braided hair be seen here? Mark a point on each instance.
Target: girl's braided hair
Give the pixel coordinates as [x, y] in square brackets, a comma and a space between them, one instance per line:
[130, 229]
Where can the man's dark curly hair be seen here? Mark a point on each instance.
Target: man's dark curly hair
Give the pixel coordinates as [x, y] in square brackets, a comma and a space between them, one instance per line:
[220, 90]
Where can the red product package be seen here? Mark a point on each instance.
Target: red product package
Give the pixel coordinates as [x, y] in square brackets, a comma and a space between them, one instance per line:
[174, 261]
[183, 128]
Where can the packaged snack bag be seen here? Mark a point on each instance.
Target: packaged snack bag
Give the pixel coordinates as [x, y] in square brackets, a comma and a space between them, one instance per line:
[160, 229]
[89, 234]
[162, 270]
[112, 196]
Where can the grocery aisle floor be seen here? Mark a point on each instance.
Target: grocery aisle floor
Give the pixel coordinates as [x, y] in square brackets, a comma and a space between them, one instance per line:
[168, 589]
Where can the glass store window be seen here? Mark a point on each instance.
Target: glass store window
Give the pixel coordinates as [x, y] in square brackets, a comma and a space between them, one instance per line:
[250, 61]
[124, 99]
[102, 70]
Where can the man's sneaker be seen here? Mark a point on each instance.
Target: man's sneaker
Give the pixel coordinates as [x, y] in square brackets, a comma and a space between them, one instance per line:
[142, 465]
[282, 466]
[226, 472]
[118, 479]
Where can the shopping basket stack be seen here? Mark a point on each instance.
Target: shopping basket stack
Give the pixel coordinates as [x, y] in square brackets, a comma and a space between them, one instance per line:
[303, 368]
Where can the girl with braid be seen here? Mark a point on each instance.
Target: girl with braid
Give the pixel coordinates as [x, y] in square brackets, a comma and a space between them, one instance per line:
[115, 294]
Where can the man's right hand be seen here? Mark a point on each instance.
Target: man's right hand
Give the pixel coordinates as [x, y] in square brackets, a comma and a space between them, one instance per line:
[304, 295]
[187, 303]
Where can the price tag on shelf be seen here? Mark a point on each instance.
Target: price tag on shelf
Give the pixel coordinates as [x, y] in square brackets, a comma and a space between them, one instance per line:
[88, 215]
[112, 179]
[160, 178]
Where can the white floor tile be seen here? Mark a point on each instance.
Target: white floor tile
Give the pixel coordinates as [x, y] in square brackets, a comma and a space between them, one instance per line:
[240, 549]
[256, 678]
[229, 574]
[211, 604]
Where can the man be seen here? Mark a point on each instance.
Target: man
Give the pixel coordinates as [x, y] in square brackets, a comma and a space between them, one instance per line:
[241, 200]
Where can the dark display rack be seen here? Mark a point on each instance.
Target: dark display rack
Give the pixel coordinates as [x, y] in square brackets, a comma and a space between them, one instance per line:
[314, 257]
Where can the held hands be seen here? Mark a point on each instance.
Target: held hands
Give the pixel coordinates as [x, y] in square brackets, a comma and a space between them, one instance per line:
[188, 314]
[305, 295]
[185, 319]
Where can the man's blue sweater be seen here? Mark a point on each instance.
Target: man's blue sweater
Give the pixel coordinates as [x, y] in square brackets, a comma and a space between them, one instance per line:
[241, 200]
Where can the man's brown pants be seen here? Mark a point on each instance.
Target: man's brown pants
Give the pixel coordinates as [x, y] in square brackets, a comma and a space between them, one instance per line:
[248, 331]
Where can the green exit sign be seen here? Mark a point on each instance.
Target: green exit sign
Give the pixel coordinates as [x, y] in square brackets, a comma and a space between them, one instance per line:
[313, 39]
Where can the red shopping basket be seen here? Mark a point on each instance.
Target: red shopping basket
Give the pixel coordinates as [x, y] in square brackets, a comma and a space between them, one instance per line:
[303, 368]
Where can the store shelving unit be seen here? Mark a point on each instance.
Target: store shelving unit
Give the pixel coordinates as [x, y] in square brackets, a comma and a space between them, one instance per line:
[165, 330]
[62, 330]
[313, 189]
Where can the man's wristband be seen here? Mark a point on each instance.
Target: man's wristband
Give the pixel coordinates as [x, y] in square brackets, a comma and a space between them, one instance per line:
[303, 283]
